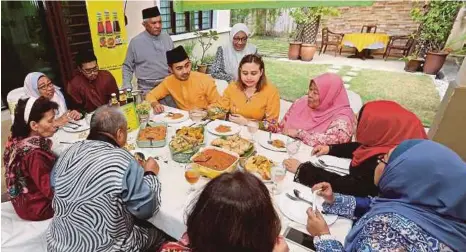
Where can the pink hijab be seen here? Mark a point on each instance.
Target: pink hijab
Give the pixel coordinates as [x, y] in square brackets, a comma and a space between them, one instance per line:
[334, 104]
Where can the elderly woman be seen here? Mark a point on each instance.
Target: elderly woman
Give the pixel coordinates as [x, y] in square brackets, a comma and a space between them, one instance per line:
[29, 160]
[225, 66]
[381, 126]
[323, 116]
[256, 226]
[421, 205]
[252, 97]
[38, 84]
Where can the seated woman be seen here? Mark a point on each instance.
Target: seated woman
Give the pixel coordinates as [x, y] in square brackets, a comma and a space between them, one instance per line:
[251, 97]
[323, 116]
[225, 66]
[29, 160]
[381, 126]
[421, 206]
[255, 226]
[38, 84]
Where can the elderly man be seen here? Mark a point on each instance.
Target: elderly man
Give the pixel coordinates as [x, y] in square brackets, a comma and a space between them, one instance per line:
[102, 195]
[189, 89]
[146, 54]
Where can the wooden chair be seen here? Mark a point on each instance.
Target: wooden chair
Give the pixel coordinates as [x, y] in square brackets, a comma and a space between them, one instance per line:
[326, 40]
[405, 47]
[369, 28]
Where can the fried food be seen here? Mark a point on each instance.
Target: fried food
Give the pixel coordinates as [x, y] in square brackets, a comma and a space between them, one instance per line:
[156, 133]
[187, 138]
[214, 159]
[216, 113]
[223, 128]
[233, 143]
[260, 165]
[174, 116]
[278, 143]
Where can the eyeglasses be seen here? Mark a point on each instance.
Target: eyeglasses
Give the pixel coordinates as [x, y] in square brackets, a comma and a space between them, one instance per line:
[92, 70]
[381, 160]
[244, 39]
[46, 86]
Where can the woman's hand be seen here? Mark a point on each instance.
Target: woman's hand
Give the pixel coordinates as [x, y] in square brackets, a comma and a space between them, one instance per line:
[280, 245]
[238, 119]
[74, 115]
[291, 164]
[325, 191]
[291, 132]
[316, 224]
[320, 150]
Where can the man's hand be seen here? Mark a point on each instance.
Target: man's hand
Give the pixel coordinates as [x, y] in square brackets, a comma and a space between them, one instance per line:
[151, 165]
[157, 107]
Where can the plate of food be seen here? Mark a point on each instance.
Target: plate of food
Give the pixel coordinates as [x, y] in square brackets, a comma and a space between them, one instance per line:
[260, 166]
[213, 161]
[223, 128]
[275, 142]
[152, 135]
[172, 116]
[186, 142]
[235, 143]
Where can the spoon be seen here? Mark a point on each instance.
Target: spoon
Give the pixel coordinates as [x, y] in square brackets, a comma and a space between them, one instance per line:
[270, 138]
[326, 165]
[298, 199]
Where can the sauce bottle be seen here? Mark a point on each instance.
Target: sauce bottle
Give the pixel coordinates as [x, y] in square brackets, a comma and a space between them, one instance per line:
[116, 29]
[122, 98]
[114, 100]
[109, 30]
[129, 96]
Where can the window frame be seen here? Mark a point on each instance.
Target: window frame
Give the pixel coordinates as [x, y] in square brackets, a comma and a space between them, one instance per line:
[172, 30]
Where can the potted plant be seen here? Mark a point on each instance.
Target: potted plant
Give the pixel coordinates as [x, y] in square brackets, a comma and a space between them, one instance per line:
[436, 19]
[205, 40]
[308, 21]
[413, 63]
[294, 48]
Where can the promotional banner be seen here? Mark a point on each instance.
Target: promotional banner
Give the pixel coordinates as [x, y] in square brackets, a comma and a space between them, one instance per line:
[129, 110]
[108, 32]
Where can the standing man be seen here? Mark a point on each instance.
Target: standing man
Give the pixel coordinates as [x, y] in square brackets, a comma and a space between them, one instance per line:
[146, 54]
[91, 87]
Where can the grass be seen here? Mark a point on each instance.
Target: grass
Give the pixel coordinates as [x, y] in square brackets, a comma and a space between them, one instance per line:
[271, 46]
[415, 92]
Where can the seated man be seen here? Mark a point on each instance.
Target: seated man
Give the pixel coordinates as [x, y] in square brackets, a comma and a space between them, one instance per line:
[91, 87]
[102, 195]
[189, 89]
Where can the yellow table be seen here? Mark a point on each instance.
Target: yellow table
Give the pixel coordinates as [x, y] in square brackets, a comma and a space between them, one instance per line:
[362, 41]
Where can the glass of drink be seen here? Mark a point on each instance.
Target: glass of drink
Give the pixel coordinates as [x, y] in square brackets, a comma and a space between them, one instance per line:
[197, 115]
[292, 146]
[278, 173]
[192, 175]
[253, 127]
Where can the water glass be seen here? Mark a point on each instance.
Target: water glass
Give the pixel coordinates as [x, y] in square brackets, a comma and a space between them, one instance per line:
[253, 127]
[197, 115]
[292, 146]
[278, 173]
[192, 175]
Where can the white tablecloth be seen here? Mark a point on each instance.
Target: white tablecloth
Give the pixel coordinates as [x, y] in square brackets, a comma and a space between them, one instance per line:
[175, 199]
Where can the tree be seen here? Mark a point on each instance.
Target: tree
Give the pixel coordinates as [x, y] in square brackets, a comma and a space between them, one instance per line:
[308, 21]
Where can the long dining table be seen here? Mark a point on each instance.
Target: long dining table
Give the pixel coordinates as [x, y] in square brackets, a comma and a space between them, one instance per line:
[175, 194]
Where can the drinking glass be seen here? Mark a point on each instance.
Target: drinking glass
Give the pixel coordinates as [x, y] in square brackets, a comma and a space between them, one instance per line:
[292, 146]
[253, 127]
[278, 173]
[197, 115]
[192, 175]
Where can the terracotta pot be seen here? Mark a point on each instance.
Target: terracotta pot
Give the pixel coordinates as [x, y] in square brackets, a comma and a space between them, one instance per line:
[202, 68]
[434, 62]
[308, 51]
[413, 65]
[293, 50]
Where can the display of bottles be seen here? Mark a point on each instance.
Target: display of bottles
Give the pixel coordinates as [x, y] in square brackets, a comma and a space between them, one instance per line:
[116, 28]
[122, 98]
[114, 100]
[129, 96]
[101, 30]
[109, 30]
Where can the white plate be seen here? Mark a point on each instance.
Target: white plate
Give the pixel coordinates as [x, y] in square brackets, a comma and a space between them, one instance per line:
[263, 141]
[296, 210]
[84, 126]
[162, 117]
[235, 128]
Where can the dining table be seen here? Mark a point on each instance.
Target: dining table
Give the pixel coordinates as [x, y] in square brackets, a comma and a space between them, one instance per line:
[364, 42]
[176, 197]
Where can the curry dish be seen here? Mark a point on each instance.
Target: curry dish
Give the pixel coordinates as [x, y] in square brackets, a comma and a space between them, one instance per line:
[156, 133]
[214, 159]
[223, 129]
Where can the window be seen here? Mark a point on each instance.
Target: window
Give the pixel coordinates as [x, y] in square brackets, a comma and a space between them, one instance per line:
[177, 23]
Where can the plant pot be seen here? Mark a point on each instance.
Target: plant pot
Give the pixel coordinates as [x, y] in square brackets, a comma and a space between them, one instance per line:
[434, 62]
[307, 52]
[413, 65]
[208, 69]
[293, 50]
[202, 68]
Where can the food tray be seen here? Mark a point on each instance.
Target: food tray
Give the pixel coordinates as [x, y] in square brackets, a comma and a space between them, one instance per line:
[185, 156]
[211, 173]
[151, 144]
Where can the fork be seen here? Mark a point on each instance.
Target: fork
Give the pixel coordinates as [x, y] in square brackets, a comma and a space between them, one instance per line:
[298, 199]
[270, 138]
[327, 165]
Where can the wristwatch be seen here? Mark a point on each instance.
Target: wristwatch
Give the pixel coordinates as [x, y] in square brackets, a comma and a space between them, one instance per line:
[323, 237]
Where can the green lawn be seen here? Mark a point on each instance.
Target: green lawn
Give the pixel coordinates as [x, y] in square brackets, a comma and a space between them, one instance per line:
[271, 46]
[415, 92]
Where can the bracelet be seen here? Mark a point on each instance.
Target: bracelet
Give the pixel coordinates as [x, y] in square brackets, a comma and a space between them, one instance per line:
[324, 237]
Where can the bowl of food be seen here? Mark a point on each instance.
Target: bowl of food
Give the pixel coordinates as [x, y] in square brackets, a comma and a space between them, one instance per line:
[243, 147]
[197, 115]
[152, 135]
[214, 113]
[186, 142]
[260, 166]
[213, 161]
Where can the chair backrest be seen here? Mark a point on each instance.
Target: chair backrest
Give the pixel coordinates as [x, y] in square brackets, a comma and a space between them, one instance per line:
[368, 28]
[12, 99]
[325, 34]
[410, 42]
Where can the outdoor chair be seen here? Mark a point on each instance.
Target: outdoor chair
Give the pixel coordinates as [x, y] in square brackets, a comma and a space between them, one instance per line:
[331, 38]
[369, 29]
[405, 43]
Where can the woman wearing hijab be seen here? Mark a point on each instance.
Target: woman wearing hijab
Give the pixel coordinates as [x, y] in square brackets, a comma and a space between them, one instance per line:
[29, 160]
[38, 84]
[323, 116]
[225, 66]
[382, 125]
[421, 206]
